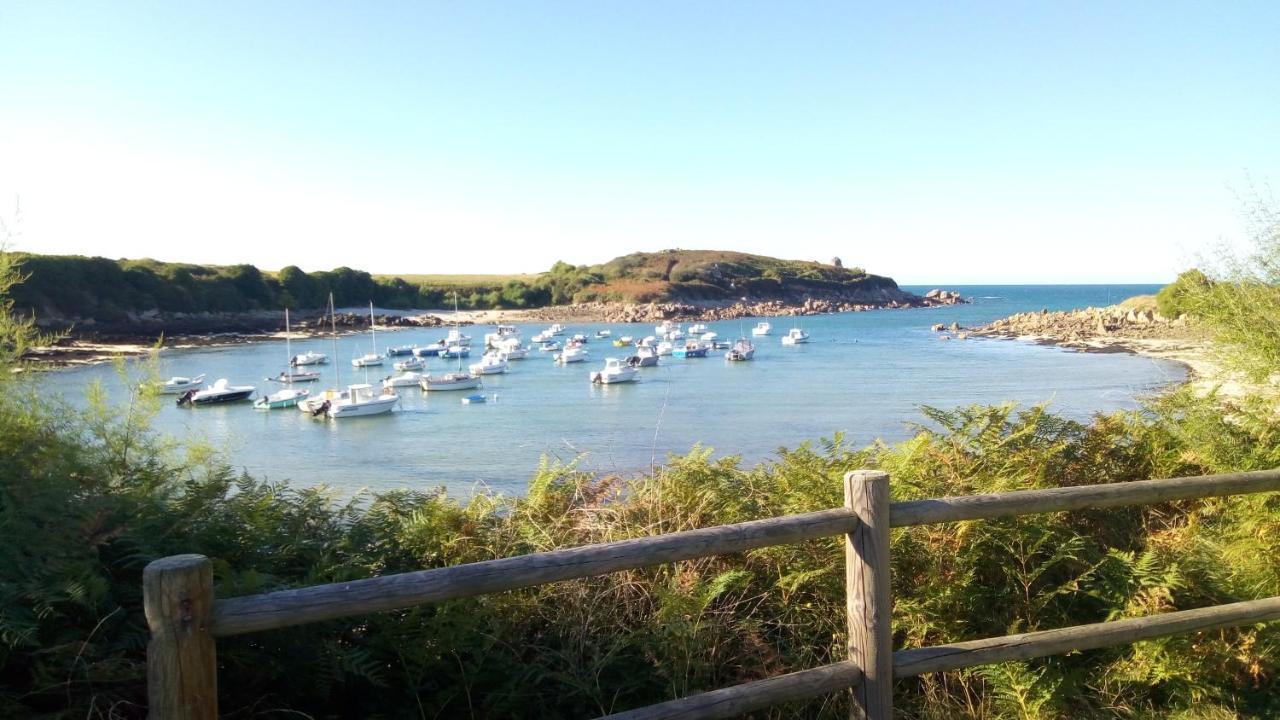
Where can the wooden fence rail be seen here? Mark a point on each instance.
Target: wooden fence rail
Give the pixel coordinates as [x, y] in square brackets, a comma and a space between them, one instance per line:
[184, 618]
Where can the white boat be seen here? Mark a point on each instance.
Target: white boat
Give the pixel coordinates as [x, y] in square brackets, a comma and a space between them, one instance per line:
[432, 350]
[665, 348]
[490, 364]
[317, 404]
[710, 337]
[580, 338]
[456, 337]
[404, 379]
[795, 336]
[408, 365]
[541, 337]
[300, 376]
[309, 357]
[741, 350]
[663, 328]
[512, 347]
[762, 328]
[647, 341]
[556, 329]
[449, 381]
[372, 359]
[281, 399]
[549, 346]
[177, 385]
[698, 329]
[614, 372]
[602, 334]
[362, 400]
[572, 354]
[220, 392]
[455, 351]
[644, 357]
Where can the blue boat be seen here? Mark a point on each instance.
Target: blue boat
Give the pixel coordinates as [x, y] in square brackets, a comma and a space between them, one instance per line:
[472, 399]
[432, 350]
[400, 351]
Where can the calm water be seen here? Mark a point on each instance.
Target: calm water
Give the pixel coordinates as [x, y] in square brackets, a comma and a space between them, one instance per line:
[863, 373]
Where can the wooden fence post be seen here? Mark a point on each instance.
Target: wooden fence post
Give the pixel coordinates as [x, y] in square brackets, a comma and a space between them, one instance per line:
[182, 682]
[868, 601]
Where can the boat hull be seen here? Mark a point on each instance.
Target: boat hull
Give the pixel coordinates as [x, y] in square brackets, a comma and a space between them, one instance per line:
[364, 408]
[223, 397]
[447, 384]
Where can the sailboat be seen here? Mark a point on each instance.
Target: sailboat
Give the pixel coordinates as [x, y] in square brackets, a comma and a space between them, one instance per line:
[289, 396]
[318, 404]
[450, 381]
[369, 359]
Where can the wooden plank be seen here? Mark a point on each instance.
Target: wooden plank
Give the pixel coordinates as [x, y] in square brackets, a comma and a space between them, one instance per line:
[1081, 637]
[324, 602]
[867, 594]
[182, 676]
[740, 699]
[1025, 502]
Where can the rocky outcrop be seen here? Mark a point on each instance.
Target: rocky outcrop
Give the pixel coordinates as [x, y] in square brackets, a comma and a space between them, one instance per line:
[1088, 327]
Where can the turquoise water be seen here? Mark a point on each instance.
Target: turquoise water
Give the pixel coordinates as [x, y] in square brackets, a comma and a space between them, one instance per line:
[864, 374]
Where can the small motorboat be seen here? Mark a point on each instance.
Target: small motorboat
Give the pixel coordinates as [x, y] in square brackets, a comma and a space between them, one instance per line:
[698, 329]
[286, 398]
[449, 381]
[177, 385]
[473, 399]
[648, 341]
[221, 392]
[663, 328]
[580, 338]
[404, 379]
[367, 360]
[571, 354]
[644, 357]
[456, 337]
[309, 357]
[742, 350]
[456, 351]
[408, 365]
[691, 349]
[432, 350]
[762, 328]
[300, 376]
[795, 336]
[318, 405]
[602, 334]
[549, 346]
[401, 350]
[512, 347]
[490, 364]
[615, 371]
[556, 329]
[361, 401]
[624, 341]
[666, 347]
[541, 337]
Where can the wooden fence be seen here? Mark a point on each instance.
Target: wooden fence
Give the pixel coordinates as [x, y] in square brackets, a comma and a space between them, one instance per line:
[185, 619]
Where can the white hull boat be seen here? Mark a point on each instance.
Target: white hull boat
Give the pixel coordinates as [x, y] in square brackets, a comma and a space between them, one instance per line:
[301, 376]
[409, 365]
[450, 381]
[795, 336]
[309, 358]
[762, 328]
[490, 365]
[362, 401]
[614, 372]
[369, 360]
[404, 379]
[180, 385]
[742, 350]
[571, 355]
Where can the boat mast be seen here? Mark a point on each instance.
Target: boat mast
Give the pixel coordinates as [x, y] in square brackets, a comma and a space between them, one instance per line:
[333, 324]
[288, 351]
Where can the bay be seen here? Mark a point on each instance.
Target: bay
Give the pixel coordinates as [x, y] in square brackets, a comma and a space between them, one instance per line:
[863, 374]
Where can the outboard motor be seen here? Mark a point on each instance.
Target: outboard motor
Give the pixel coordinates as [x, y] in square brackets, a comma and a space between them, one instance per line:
[186, 398]
[324, 408]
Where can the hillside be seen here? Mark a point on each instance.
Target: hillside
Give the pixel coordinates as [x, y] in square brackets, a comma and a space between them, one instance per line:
[61, 290]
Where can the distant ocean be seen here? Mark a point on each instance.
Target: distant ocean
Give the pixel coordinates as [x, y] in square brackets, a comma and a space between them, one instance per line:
[863, 374]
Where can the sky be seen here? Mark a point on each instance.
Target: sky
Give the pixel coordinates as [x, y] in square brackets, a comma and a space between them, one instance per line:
[932, 142]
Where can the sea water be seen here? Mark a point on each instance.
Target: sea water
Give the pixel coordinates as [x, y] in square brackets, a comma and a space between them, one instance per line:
[862, 374]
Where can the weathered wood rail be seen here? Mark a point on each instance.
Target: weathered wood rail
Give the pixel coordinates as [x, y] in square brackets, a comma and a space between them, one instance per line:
[185, 619]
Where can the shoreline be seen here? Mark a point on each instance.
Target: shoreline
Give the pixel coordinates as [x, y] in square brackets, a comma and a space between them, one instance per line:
[91, 349]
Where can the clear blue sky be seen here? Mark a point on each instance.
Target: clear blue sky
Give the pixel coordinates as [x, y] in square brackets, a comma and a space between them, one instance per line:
[953, 142]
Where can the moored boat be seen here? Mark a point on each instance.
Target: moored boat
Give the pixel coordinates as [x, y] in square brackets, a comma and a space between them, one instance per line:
[762, 328]
[411, 364]
[691, 349]
[644, 357]
[490, 364]
[286, 398]
[220, 392]
[795, 336]
[177, 385]
[571, 354]
[360, 401]
[613, 372]
[404, 379]
[449, 381]
[741, 350]
[309, 357]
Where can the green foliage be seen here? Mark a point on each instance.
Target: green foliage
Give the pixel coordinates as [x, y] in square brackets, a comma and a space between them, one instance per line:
[1180, 296]
[89, 495]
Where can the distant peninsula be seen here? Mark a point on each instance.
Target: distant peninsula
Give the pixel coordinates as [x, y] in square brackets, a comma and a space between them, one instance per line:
[133, 300]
